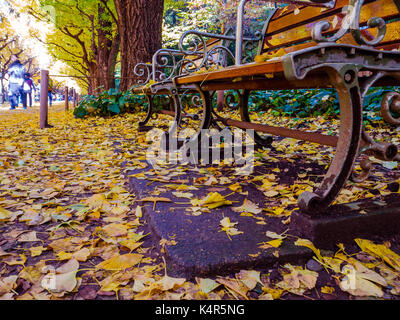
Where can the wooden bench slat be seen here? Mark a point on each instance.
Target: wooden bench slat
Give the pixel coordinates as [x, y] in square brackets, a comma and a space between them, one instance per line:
[288, 21]
[390, 42]
[268, 67]
[302, 33]
[279, 14]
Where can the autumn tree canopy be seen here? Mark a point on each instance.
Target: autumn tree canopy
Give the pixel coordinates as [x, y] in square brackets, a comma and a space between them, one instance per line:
[102, 40]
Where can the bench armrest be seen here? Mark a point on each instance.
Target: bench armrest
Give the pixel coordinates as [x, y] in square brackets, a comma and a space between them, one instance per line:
[194, 53]
[148, 71]
[221, 49]
[167, 60]
[144, 72]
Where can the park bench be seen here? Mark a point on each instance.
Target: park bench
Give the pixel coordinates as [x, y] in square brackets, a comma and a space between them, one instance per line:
[206, 51]
[350, 45]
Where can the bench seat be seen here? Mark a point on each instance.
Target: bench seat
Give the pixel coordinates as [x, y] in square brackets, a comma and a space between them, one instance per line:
[345, 47]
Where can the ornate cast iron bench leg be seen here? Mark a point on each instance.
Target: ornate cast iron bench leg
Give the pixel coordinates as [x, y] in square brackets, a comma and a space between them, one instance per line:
[390, 103]
[345, 79]
[150, 108]
[243, 107]
[244, 114]
[177, 125]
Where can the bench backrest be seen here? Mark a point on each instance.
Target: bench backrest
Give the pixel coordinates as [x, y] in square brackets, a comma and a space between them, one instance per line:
[210, 43]
[196, 58]
[290, 27]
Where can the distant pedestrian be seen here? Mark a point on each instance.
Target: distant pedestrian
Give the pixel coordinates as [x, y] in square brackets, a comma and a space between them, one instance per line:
[16, 73]
[50, 91]
[28, 87]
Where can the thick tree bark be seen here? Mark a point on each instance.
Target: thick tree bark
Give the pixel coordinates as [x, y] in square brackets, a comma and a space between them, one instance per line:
[94, 83]
[107, 50]
[140, 28]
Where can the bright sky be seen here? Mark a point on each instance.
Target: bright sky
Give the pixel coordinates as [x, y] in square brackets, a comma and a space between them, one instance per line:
[39, 50]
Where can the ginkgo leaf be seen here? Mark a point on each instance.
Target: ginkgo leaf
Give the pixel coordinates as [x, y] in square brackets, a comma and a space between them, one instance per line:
[31, 273]
[7, 284]
[96, 200]
[115, 230]
[271, 193]
[120, 262]
[15, 260]
[4, 214]
[63, 279]
[276, 243]
[235, 187]
[248, 206]
[211, 181]
[71, 265]
[82, 255]
[168, 283]
[211, 201]
[155, 199]
[183, 195]
[298, 280]
[307, 243]
[274, 235]
[110, 286]
[36, 251]
[229, 227]
[274, 293]
[250, 278]
[138, 212]
[355, 284]
[131, 244]
[64, 282]
[235, 285]
[327, 290]
[369, 274]
[207, 285]
[380, 251]
[64, 255]
[28, 237]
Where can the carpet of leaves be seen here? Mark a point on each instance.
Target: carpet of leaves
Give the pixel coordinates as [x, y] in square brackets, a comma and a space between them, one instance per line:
[70, 229]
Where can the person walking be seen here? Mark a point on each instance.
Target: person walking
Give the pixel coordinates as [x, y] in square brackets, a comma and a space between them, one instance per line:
[16, 73]
[28, 87]
[50, 91]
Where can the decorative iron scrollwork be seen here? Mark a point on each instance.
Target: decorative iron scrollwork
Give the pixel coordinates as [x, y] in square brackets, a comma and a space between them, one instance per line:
[351, 24]
[391, 103]
[205, 56]
[165, 63]
[366, 166]
[192, 56]
[144, 72]
[383, 151]
[231, 100]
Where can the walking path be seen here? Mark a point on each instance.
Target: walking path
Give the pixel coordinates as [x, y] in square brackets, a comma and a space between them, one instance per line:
[67, 211]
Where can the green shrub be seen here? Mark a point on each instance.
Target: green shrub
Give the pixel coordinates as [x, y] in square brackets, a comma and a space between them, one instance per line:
[108, 103]
[315, 102]
[295, 103]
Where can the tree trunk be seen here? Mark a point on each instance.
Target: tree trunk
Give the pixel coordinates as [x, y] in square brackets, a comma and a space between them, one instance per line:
[107, 50]
[140, 28]
[94, 83]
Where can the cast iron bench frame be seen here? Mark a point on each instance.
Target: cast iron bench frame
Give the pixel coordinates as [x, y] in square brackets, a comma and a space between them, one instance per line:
[351, 69]
[199, 56]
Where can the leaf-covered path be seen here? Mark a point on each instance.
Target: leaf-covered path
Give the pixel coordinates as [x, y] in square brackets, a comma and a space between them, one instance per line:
[70, 229]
